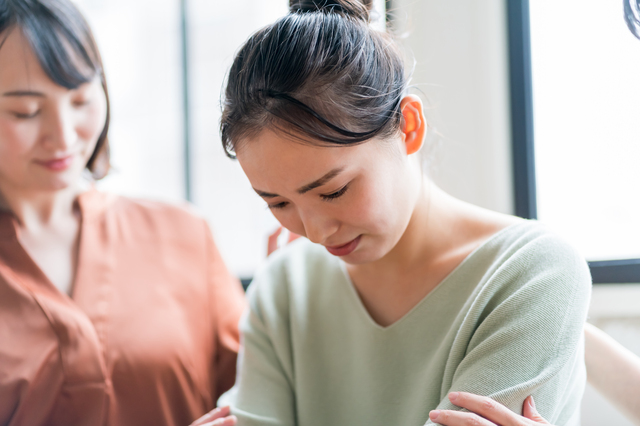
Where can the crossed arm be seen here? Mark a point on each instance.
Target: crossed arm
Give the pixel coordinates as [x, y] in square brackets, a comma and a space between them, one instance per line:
[612, 369]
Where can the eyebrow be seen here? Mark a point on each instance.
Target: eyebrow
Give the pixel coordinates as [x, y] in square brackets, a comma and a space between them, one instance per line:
[23, 93]
[308, 187]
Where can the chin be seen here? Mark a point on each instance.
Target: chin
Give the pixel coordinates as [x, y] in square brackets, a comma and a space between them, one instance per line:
[364, 255]
[58, 182]
[373, 250]
[51, 186]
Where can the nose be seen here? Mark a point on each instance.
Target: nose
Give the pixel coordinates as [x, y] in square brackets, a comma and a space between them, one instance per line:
[60, 131]
[319, 226]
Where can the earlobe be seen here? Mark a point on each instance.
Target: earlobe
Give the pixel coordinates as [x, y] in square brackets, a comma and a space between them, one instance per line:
[414, 125]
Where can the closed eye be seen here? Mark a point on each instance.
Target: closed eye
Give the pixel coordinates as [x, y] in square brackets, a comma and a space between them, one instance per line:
[339, 193]
[26, 116]
[277, 206]
[81, 103]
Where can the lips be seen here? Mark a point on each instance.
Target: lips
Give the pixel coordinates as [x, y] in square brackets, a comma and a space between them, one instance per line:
[57, 164]
[345, 249]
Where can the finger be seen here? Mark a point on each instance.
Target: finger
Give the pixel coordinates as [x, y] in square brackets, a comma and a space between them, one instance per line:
[486, 407]
[293, 237]
[458, 418]
[529, 411]
[272, 242]
[218, 413]
[227, 421]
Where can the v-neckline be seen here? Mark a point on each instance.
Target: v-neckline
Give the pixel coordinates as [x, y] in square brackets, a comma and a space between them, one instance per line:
[35, 266]
[396, 324]
[79, 320]
[38, 273]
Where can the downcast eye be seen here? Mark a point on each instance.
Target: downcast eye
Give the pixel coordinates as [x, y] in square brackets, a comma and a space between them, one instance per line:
[26, 115]
[339, 193]
[278, 205]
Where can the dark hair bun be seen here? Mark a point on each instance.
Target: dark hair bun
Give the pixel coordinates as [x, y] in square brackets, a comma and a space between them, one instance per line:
[359, 9]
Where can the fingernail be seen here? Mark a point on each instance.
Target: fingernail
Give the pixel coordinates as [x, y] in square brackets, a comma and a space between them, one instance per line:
[532, 403]
[433, 415]
[453, 396]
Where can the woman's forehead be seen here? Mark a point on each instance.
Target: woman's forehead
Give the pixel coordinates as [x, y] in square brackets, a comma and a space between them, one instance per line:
[276, 163]
[19, 65]
[272, 149]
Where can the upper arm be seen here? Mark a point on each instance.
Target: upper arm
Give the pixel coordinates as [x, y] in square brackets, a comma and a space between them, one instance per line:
[529, 339]
[264, 391]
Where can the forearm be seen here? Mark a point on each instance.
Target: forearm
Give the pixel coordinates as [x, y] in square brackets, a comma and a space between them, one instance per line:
[613, 370]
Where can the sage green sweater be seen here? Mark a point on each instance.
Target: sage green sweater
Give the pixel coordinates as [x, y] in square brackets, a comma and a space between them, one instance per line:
[506, 323]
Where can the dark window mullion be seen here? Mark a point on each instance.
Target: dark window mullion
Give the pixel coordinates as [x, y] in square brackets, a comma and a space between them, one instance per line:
[523, 159]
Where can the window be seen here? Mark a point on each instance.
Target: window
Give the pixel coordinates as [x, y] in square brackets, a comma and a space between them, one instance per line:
[140, 46]
[575, 89]
[239, 218]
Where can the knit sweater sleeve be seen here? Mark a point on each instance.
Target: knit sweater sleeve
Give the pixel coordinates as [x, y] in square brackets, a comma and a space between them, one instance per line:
[264, 393]
[523, 334]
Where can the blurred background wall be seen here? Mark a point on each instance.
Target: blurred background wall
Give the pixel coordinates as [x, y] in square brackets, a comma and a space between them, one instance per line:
[587, 178]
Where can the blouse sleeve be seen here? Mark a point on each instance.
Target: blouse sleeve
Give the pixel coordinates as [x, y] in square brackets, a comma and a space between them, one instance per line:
[528, 337]
[227, 305]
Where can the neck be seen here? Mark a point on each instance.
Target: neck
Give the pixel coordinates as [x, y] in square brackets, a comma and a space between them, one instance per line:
[37, 209]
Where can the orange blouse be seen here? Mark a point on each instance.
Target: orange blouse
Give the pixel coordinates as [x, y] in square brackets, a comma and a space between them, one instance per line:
[149, 336]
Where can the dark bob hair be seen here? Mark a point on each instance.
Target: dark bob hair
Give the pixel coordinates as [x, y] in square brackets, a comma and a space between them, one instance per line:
[320, 74]
[64, 45]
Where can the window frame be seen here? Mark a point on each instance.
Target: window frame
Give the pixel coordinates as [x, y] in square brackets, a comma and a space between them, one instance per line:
[621, 271]
[186, 99]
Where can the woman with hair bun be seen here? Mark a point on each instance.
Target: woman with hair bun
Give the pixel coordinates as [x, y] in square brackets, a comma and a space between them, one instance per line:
[112, 311]
[400, 294]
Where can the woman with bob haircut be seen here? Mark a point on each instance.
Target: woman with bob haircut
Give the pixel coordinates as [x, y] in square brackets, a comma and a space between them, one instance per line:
[113, 311]
[401, 294]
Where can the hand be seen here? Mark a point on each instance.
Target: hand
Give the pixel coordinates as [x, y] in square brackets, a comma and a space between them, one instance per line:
[217, 417]
[274, 242]
[486, 412]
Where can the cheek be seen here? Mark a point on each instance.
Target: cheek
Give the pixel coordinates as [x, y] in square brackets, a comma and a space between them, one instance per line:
[377, 212]
[17, 140]
[290, 219]
[92, 123]
[381, 209]
[376, 198]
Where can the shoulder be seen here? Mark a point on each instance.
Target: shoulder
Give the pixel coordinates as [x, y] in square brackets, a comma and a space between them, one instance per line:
[533, 248]
[145, 219]
[158, 213]
[294, 275]
[531, 262]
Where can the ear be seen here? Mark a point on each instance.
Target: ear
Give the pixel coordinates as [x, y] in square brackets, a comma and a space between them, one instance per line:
[414, 126]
